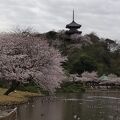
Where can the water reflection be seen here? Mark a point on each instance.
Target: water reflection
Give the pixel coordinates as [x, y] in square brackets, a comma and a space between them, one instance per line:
[88, 106]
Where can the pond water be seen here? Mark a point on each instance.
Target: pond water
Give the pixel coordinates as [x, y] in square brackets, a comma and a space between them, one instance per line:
[94, 105]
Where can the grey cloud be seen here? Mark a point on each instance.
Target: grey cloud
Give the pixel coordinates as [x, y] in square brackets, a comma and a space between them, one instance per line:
[100, 16]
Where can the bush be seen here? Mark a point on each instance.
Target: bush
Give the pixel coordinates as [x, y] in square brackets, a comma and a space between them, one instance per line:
[70, 87]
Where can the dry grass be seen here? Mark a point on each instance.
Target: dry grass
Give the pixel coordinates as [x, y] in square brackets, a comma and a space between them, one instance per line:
[15, 97]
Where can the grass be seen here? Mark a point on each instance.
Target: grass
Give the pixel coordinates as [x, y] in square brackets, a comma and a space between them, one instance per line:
[17, 97]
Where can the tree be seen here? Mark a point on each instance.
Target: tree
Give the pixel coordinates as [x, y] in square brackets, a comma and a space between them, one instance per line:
[24, 58]
[51, 35]
[78, 63]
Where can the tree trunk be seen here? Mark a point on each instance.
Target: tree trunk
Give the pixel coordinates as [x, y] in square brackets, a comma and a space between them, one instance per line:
[13, 86]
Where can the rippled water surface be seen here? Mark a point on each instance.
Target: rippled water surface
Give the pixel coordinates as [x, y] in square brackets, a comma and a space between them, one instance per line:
[92, 105]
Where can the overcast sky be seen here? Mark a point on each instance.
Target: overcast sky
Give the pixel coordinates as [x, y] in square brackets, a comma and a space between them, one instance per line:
[99, 16]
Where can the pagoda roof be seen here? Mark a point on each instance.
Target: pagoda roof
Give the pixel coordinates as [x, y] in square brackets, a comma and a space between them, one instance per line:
[73, 24]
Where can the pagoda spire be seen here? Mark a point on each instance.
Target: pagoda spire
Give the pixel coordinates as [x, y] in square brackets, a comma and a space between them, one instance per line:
[73, 26]
[73, 15]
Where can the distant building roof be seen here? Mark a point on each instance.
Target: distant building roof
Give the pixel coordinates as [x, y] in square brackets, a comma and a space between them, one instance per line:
[73, 24]
[103, 78]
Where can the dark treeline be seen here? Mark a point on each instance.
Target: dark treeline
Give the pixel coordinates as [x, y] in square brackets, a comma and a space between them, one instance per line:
[87, 53]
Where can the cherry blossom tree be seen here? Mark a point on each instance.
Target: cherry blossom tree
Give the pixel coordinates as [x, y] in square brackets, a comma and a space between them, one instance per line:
[24, 58]
[87, 77]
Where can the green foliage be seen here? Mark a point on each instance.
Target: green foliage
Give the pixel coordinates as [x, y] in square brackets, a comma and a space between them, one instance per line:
[94, 37]
[71, 87]
[51, 35]
[94, 57]
[80, 63]
[3, 83]
[30, 87]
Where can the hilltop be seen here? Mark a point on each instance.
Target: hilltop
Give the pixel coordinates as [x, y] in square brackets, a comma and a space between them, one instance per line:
[87, 53]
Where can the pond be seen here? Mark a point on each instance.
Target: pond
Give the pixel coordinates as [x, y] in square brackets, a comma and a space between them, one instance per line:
[94, 105]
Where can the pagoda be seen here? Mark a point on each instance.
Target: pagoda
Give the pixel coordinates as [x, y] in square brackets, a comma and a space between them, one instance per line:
[73, 27]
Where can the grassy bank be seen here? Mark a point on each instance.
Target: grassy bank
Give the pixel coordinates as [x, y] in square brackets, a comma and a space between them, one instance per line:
[17, 97]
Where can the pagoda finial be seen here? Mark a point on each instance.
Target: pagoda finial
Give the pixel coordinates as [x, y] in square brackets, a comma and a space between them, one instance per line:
[73, 14]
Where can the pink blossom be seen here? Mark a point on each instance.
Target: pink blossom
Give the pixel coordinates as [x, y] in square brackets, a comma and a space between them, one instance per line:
[24, 57]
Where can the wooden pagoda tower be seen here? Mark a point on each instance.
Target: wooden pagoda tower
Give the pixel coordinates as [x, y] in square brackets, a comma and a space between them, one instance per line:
[73, 27]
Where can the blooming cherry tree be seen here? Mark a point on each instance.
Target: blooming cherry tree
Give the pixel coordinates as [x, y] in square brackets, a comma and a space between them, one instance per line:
[87, 77]
[29, 57]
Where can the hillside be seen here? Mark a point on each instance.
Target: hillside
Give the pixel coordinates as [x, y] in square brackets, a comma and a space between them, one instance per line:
[87, 53]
